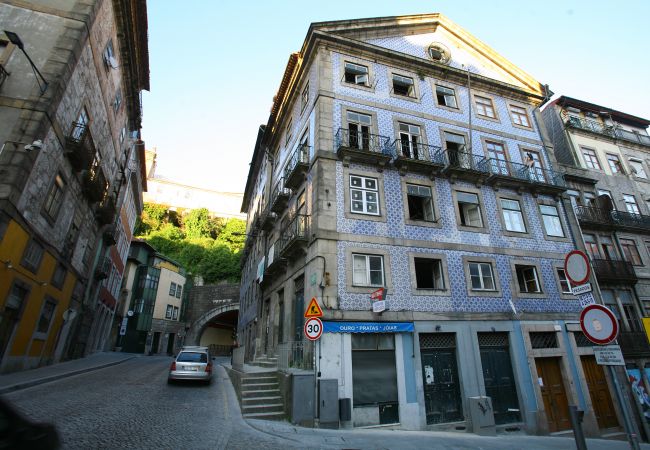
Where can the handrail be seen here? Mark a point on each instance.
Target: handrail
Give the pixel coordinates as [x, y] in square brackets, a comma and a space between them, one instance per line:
[296, 229]
[279, 189]
[299, 156]
[613, 131]
[418, 151]
[460, 159]
[524, 172]
[368, 142]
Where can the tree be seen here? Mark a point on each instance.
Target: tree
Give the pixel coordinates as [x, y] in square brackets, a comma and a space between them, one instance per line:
[152, 219]
[197, 223]
[233, 234]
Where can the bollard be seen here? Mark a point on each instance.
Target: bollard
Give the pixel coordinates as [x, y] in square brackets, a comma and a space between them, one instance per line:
[575, 416]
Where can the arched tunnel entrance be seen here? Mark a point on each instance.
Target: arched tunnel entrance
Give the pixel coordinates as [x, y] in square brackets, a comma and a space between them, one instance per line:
[219, 333]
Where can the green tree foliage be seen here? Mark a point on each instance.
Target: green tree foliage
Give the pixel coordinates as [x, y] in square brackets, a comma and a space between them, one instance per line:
[204, 246]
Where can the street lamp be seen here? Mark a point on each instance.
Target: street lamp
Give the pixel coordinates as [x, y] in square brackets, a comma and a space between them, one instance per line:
[15, 39]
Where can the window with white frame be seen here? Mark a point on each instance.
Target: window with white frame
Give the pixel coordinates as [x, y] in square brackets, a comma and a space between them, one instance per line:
[429, 274]
[367, 270]
[356, 74]
[169, 311]
[117, 102]
[54, 197]
[591, 160]
[409, 141]
[481, 276]
[289, 129]
[175, 313]
[512, 216]
[565, 285]
[528, 279]
[519, 116]
[172, 289]
[109, 56]
[469, 208]
[630, 251]
[551, 220]
[484, 107]
[637, 169]
[420, 202]
[403, 86]
[630, 204]
[179, 290]
[615, 164]
[364, 195]
[359, 130]
[304, 97]
[446, 96]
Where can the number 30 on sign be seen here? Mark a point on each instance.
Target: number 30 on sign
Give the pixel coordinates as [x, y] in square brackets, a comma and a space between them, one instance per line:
[313, 328]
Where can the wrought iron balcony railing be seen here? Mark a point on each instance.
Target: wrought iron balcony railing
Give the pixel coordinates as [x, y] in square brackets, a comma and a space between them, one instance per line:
[603, 217]
[418, 151]
[280, 196]
[464, 160]
[103, 268]
[360, 141]
[627, 219]
[614, 132]
[614, 270]
[297, 232]
[94, 184]
[297, 166]
[524, 173]
[106, 210]
[79, 147]
[634, 344]
[3, 75]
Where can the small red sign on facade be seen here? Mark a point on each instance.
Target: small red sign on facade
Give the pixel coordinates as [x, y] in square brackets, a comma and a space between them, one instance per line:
[313, 310]
[379, 294]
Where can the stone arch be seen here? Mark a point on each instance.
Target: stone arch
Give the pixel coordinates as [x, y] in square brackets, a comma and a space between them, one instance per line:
[199, 324]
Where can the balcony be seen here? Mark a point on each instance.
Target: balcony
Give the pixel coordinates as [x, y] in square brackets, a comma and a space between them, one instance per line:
[109, 236]
[634, 344]
[297, 167]
[267, 219]
[613, 271]
[603, 219]
[94, 184]
[3, 75]
[614, 132]
[105, 213]
[520, 177]
[274, 263]
[365, 148]
[79, 147]
[280, 196]
[417, 157]
[295, 236]
[630, 222]
[103, 268]
[463, 165]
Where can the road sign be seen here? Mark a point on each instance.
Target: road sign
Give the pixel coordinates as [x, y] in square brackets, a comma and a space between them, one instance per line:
[576, 267]
[582, 289]
[313, 328]
[313, 310]
[609, 355]
[599, 324]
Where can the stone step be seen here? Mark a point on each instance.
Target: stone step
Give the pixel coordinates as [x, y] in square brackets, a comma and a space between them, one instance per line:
[252, 379]
[270, 408]
[264, 416]
[269, 399]
[265, 364]
[261, 386]
[248, 394]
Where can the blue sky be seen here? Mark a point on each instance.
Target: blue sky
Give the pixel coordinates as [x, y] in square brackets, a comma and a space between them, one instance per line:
[215, 65]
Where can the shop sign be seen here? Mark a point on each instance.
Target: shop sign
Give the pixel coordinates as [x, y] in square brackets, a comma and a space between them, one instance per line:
[368, 327]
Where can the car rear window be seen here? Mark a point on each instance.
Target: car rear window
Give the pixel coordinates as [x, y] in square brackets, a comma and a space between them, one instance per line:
[192, 357]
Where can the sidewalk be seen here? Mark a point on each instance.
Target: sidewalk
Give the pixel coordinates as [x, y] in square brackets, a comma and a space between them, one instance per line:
[28, 378]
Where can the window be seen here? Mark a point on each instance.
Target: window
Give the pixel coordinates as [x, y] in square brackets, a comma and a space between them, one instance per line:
[45, 319]
[54, 197]
[58, 277]
[420, 202]
[409, 141]
[175, 313]
[32, 256]
[169, 311]
[519, 116]
[637, 169]
[482, 278]
[179, 290]
[446, 97]
[364, 195]
[615, 164]
[304, 98]
[565, 285]
[591, 160]
[630, 204]
[604, 192]
[512, 217]
[79, 127]
[172, 289]
[469, 209]
[109, 56]
[403, 86]
[592, 246]
[367, 270]
[528, 279]
[287, 134]
[630, 251]
[497, 155]
[428, 274]
[533, 161]
[607, 246]
[359, 130]
[589, 199]
[484, 107]
[551, 219]
[118, 101]
[356, 74]
[122, 134]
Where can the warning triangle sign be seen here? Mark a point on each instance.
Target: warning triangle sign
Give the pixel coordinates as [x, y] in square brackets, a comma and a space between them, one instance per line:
[313, 310]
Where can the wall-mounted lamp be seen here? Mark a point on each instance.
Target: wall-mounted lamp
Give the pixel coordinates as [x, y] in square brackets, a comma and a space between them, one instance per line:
[14, 39]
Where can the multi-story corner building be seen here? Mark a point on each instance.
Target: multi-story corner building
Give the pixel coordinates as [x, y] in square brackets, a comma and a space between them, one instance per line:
[605, 155]
[71, 171]
[155, 289]
[182, 197]
[404, 154]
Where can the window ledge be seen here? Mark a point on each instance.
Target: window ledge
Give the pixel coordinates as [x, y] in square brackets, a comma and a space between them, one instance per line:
[432, 292]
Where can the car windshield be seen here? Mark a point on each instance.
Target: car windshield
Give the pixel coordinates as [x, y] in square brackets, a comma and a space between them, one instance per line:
[192, 357]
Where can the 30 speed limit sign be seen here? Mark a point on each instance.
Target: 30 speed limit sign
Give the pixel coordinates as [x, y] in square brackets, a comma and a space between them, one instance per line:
[313, 328]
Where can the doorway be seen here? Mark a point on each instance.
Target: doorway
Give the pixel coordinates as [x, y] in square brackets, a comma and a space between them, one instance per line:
[601, 399]
[553, 394]
[156, 342]
[170, 344]
[498, 376]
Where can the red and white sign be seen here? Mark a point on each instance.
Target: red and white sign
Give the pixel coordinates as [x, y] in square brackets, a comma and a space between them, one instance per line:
[379, 294]
[576, 267]
[313, 328]
[599, 324]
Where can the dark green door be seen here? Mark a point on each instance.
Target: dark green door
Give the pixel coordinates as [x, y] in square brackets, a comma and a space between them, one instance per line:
[500, 384]
[440, 378]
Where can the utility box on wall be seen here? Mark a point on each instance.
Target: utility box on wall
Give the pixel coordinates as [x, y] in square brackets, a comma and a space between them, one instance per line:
[482, 416]
[328, 403]
[302, 394]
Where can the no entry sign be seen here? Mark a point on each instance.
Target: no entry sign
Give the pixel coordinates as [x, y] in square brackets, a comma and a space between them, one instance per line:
[576, 267]
[599, 324]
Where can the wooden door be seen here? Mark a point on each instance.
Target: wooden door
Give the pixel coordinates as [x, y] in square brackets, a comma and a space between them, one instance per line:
[441, 387]
[553, 393]
[601, 400]
[500, 384]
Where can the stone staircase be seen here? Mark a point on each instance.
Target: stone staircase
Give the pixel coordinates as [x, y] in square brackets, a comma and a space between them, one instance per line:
[269, 362]
[260, 396]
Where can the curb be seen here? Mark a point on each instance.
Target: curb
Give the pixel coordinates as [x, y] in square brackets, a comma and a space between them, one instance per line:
[36, 382]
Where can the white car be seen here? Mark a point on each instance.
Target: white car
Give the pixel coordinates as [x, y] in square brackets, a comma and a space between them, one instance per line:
[192, 363]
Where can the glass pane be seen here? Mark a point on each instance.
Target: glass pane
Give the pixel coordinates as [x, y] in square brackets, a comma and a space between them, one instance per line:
[473, 269]
[355, 181]
[376, 278]
[457, 138]
[386, 342]
[466, 197]
[357, 206]
[510, 204]
[371, 183]
[372, 207]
